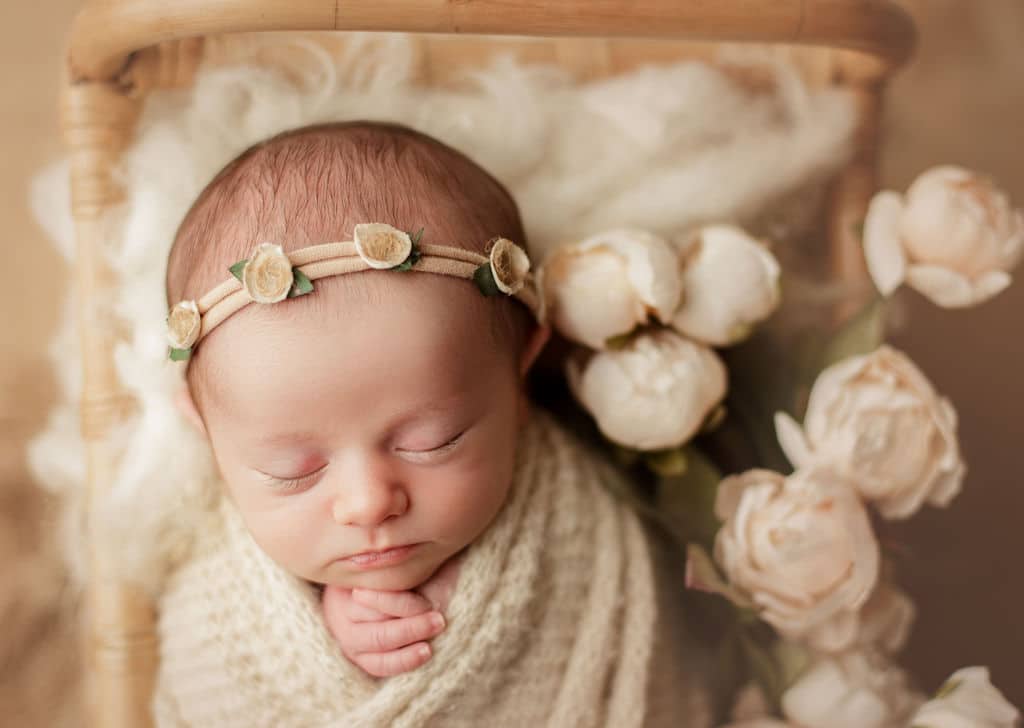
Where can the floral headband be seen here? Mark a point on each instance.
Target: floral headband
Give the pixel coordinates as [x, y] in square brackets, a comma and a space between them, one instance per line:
[270, 275]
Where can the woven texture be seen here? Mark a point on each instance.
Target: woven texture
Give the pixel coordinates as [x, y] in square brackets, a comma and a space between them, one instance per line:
[554, 622]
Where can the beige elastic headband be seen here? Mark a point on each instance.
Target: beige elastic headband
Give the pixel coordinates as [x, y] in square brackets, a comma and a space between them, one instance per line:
[270, 275]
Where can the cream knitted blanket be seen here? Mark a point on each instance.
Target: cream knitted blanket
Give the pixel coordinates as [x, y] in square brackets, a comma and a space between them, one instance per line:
[554, 622]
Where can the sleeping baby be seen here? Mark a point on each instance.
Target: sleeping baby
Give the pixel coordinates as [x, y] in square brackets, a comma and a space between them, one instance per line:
[404, 539]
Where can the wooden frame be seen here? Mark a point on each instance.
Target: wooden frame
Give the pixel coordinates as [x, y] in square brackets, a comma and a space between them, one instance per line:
[121, 48]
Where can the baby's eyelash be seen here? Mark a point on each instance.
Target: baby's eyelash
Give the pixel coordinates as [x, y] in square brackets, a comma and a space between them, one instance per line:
[441, 448]
[289, 484]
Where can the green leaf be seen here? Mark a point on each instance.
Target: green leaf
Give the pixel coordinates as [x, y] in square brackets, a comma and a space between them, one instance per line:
[667, 462]
[301, 285]
[409, 262]
[484, 279]
[714, 419]
[416, 237]
[618, 342]
[947, 687]
[180, 354]
[236, 269]
[862, 334]
[858, 229]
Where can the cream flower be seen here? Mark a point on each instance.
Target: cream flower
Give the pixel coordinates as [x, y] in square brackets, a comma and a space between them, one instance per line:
[183, 325]
[730, 283]
[607, 284]
[654, 392]
[509, 265]
[877, 418]
[802, 548]
[380, 245]
[852, 690]
[267, 275]
[886, 619]
[953, 237]
[967, 700]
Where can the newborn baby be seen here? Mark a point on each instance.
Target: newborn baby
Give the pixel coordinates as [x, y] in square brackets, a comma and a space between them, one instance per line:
[381, 464]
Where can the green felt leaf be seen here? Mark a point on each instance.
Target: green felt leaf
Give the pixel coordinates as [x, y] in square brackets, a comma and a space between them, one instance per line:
[484, 279]
[236, 269]
[180, 354]
[409, 262]
[415, 237]
[301, 285]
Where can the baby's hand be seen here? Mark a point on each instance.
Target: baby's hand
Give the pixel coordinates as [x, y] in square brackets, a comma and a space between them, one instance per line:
[383, 632]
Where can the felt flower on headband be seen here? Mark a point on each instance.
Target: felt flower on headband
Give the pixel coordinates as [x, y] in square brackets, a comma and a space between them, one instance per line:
[505, 271]
[268, 275]
[183, 323]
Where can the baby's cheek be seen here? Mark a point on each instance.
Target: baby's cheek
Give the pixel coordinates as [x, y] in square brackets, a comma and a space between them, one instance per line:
[466, 504]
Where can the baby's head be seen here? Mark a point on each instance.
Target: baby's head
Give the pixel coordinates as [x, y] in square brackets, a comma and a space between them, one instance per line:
[383, 409]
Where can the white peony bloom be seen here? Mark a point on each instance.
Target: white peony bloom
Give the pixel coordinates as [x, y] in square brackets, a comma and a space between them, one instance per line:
[886, 619]
[730, 283]
[852, 690]
[953, 237]
[967, 700]
[609, 283]
[653, 393]
[802, 547]
[879, 420]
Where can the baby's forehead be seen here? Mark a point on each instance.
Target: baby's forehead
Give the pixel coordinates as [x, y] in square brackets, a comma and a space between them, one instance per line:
[418, 339]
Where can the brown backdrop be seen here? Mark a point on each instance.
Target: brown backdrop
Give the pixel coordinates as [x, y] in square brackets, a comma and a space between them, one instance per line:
[961, 101]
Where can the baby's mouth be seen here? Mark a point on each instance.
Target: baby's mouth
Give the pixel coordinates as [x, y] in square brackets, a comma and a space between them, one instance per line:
[378, 559]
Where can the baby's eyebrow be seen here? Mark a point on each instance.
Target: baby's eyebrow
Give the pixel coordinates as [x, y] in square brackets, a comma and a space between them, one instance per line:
[286, 438]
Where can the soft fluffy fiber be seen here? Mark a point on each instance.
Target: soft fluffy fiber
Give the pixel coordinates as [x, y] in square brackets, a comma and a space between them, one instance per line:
[662, 147]
[554, 622]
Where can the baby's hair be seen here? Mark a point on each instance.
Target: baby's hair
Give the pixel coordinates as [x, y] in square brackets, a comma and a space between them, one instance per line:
[313, 184]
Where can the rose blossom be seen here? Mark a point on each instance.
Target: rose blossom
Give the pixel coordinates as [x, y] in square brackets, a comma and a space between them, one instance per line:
[802, 548]
[653, 393]
[609, 283]
[953, 237]
[730, 283]
[879, 420]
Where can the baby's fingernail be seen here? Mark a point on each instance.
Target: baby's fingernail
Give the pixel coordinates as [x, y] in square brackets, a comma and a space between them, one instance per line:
[436, 620]
[424, 651]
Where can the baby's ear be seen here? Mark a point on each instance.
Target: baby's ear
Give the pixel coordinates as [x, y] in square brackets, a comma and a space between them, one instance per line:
[533, 348]
[187, 406]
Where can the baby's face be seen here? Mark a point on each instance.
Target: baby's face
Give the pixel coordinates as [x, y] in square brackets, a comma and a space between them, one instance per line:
[382, 426]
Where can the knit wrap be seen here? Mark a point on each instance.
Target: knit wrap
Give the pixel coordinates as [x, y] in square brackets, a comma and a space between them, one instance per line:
[554, 621]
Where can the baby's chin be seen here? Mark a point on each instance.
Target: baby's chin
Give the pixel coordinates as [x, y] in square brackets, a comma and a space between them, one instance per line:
[396, 578]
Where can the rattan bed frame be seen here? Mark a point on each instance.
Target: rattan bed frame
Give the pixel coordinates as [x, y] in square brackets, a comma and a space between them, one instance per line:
[121, 49]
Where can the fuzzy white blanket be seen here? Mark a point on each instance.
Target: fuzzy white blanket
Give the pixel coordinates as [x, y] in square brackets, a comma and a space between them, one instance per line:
[554, 622]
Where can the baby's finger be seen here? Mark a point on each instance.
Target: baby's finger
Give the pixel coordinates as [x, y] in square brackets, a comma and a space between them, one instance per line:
[393, 603]
[386, 664]
[338, 603]
[393, 633]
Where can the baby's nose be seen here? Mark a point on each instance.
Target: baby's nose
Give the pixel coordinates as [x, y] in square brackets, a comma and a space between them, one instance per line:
[369, 504]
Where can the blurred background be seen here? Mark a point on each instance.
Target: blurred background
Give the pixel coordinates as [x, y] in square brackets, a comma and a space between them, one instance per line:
[960, 101]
